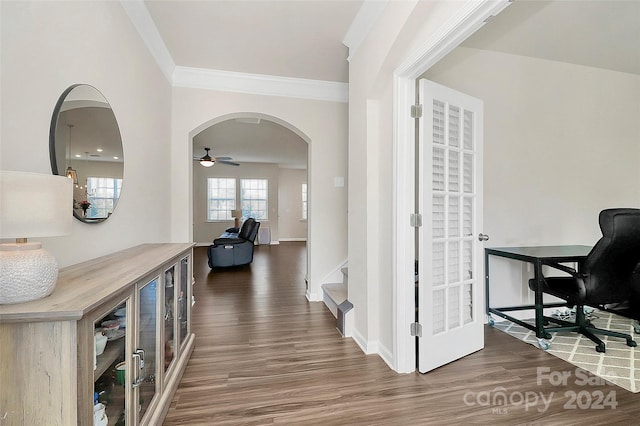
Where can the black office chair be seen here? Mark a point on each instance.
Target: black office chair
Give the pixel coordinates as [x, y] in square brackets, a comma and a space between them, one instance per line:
[606, 276]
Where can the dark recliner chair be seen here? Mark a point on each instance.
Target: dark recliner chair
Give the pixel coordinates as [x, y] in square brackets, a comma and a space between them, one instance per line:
[234, 249]
[605, 277]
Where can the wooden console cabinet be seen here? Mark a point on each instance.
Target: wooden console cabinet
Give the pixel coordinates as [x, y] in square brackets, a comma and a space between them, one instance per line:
[50, 373]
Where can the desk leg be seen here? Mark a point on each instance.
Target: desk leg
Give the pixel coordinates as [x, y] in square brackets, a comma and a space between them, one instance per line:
[539, 303]
[486, 282]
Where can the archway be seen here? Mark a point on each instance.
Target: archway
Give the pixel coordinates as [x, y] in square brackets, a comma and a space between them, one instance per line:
[268, 148]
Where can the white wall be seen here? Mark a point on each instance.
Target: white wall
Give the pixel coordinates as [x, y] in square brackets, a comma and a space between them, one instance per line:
[48, 46]
[562, 142]
[291, 226]
[394, 37]
[205, 232]
[323, 124]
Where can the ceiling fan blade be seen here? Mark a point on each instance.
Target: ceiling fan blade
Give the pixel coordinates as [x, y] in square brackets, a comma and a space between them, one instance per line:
[228, 163]
[224, 158]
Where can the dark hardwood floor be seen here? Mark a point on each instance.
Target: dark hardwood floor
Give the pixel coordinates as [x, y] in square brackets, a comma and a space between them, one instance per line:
[265, 355]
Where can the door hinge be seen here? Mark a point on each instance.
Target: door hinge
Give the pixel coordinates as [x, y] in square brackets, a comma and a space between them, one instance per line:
[416, 111]
[416, 329]
[416, 220]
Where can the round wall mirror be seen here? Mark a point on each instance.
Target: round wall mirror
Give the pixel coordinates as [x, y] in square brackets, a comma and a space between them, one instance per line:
[85, 145]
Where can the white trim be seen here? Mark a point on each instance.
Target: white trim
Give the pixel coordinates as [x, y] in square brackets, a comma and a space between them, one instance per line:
[259, 84]
[146, 27]
[313, 297]
[226, 81]
[465, 22]
[293, 239]
[366, 17]
[336, 275]
[368, 348]
[386, 355]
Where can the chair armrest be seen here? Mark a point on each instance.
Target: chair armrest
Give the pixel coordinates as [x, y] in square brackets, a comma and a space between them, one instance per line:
[562, 268]
[233, 230]
[579, 278]
[228, 241]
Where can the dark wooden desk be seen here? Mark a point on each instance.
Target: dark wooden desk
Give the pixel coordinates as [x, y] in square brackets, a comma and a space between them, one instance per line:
[537, 256]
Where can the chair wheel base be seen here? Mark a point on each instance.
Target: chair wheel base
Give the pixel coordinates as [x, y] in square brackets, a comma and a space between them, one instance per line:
[544, 344]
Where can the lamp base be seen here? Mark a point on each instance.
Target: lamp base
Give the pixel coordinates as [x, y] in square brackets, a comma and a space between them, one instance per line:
[27, 272]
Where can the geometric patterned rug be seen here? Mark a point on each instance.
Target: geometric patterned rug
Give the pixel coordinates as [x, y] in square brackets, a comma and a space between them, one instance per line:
[619, 365]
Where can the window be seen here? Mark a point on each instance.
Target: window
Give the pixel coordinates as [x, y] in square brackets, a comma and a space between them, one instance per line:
[254, 194]
[103, 194]
[221, 198]
[304, 201]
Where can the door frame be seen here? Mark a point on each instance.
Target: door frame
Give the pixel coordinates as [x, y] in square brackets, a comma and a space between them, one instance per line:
[469, 18]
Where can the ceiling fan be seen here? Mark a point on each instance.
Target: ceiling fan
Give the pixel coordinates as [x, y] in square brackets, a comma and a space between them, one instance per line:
[208, 161]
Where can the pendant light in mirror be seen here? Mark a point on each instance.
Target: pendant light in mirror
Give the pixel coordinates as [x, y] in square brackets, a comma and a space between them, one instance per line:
[70, 172]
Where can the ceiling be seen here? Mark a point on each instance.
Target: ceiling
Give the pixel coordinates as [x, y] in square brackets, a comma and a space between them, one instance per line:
[297, 39]
[288, 38]
[600, 34]
[303, 39]
[250, 142]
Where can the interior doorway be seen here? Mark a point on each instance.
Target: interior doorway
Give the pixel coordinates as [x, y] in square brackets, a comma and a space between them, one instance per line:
[405, 78]
[255, 147]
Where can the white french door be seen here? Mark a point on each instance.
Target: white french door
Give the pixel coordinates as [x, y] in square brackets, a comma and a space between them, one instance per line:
[451, 285]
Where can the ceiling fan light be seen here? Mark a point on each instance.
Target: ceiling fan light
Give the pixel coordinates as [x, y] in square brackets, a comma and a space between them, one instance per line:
[206, 160]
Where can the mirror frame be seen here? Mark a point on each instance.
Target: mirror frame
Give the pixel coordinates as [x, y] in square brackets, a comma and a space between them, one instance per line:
[52, 144]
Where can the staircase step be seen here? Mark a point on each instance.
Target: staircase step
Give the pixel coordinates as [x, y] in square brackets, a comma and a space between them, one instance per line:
[334, 294]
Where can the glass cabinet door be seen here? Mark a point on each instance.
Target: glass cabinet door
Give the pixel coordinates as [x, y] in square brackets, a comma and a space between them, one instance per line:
[169, 316]
[110, 379]
[183, 300]
[145, 354]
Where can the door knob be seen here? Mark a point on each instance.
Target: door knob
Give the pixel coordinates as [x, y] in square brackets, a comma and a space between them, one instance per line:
[483, 237]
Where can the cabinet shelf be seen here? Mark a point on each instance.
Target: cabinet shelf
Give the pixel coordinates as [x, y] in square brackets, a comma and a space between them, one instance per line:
[113, 351]
[51, 342]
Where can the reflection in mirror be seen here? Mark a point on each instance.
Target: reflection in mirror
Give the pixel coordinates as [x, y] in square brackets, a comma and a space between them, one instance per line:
[85, 145]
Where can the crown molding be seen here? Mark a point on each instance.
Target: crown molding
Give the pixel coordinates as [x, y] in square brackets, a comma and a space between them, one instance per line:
[258, 84]
[143, 22]
[362, 24]
[226, 81]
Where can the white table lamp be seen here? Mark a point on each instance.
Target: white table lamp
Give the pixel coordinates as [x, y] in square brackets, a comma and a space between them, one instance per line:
[236, 215]
[31, 205]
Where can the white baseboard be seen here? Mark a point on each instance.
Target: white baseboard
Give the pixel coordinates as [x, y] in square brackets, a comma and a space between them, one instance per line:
[203, 244]
[367, 347]
[373, 348]
[294, 239]
[313, 297]
[386, 355]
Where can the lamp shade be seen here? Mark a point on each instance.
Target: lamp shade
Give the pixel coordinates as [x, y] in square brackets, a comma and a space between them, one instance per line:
[236, 213]
[31, 205]
[35, 205]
